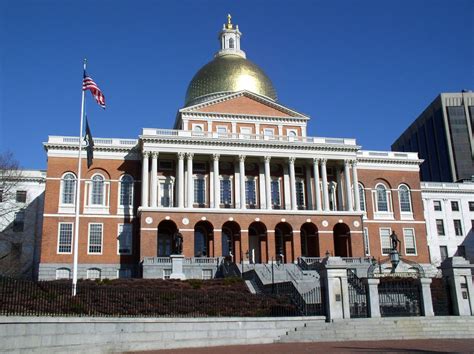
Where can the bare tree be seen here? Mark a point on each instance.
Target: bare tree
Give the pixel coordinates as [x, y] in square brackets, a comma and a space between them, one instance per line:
[10, 177]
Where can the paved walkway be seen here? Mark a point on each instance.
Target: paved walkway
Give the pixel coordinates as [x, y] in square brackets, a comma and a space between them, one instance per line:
[389, 346]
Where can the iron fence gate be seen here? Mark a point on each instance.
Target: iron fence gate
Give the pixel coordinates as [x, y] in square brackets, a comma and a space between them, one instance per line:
[399, 297]
[357, 295]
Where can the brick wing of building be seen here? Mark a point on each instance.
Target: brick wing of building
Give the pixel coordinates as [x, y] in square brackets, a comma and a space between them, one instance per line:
[238, 177]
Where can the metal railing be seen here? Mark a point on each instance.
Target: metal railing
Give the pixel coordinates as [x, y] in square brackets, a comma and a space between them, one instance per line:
[139, 298]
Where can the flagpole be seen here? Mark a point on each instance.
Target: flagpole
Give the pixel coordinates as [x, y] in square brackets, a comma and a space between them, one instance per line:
[78, 198]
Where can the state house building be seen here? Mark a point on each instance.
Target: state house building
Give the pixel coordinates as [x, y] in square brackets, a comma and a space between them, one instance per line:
[238, 177]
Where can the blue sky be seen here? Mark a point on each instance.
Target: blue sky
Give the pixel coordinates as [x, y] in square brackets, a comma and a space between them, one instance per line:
[362, 69]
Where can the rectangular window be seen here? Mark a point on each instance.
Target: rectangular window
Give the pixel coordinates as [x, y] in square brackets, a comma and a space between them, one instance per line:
[440, 227]
[437, 205]
[366, 242]
[222, 130]
[166, 193]
[443, 250]
[95, 238]
[300, 194]
[471, 206]
[268, 132]
[63, 273]
[250, 192]
[454, 206]
[385, 240]
[409, 240]
[457, 227]
[245, 132]
[19, 221]
[65, 237]
[461, 252]
[124, 239]
[199, 191]
[21, 196]
[275, 189]
[226, 192]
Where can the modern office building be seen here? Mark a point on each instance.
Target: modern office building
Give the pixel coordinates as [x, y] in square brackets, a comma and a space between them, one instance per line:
[443, 137]
[238, 177]
[449, 214]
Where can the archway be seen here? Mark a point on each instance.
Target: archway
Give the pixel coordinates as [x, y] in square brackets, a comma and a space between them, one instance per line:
[203, 239]
[257, 242]
[342, 240]
[231, 240]
[309, 240]
[284, 242]
[166, 231]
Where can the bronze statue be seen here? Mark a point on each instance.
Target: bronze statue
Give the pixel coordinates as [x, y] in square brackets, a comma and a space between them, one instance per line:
[395, 241]
[178, 243]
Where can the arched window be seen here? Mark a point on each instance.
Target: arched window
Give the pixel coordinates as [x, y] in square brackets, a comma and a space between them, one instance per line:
[63, 273]
[382, 200]
[231, 42]
[126, 190]
[362, 197]
[97, 193]
[405, 200]
[68, 188]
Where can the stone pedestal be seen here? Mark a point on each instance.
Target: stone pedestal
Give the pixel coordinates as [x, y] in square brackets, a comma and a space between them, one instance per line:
[177, 261]
[457, 270]
[337, 290]
[373, 294]
[426, 299]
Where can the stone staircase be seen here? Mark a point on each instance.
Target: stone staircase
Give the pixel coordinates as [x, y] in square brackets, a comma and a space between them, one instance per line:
[393, 328]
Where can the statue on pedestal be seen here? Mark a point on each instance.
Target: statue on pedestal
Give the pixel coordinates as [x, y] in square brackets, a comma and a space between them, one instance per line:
[178, 243]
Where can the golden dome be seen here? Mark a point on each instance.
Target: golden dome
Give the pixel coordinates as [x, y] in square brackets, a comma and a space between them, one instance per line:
[228, 73]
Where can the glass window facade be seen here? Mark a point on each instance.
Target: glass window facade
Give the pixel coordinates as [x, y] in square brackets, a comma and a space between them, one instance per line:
[460, 136]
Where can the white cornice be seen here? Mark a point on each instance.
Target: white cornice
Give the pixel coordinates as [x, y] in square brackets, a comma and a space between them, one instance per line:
[245, 117]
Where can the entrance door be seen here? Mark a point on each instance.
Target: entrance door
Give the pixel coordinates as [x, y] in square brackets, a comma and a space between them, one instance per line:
[254, 249]
[164, 244]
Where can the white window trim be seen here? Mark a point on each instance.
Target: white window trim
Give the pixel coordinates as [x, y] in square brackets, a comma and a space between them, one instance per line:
[94, 268]
[268, 133]
[366, 239]
[206, 197]
[459, 206]
[440, 204]
[245, 132]
[59, 235]
[89, 238]
[222, 127]
[62, 268]
[384, 215]
[165, 271]
[93, 208]
[276, 179]
[66, 208]
[257, 194]
[414, 242]
[462, 227]
[118, 240]
[380, 237]
[405, 215]
[195, 125]
[163, 180]
[231, 179]
[295, 131]
[121, 208]
[303, 206]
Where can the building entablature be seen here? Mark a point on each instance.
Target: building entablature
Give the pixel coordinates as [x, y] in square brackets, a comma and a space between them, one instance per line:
[443, 187]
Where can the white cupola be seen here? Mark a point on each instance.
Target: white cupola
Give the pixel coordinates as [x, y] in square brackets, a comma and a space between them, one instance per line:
[230, 39]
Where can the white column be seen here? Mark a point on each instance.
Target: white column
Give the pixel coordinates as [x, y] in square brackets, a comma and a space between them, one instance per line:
[189, 168]
[145, 179]
[180, 179]
[317, 188]
[347, 179]
[309, 194]
[355, 185]
[268, 186]
[217, 192]
[340, 203]
[291, 166]
[243, 202]
[324, 176]
[154, 179]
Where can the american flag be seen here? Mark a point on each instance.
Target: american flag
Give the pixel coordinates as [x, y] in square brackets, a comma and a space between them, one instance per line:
[89, 84]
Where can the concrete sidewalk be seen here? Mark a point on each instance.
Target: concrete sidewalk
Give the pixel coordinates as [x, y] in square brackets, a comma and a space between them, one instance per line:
[389, 346]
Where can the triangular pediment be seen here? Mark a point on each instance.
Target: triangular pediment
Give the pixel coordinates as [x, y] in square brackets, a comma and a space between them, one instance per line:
[244, 103]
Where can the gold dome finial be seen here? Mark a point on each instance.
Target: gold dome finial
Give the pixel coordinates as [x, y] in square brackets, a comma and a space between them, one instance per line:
[229, 23]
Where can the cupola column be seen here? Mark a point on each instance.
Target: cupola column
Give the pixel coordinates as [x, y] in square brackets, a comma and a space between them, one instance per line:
[189, 168]
[217, 192]
[294, 205]
[347, 179]
[317, 187]
[154, 180]
[324, 176]
[243, 201]
[180, 179]
[145, 179]
[355, 185]
[268, 186]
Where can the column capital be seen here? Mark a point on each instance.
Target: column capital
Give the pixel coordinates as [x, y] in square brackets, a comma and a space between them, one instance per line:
[242, 158]
[189, 155]
[181, 155]
[216, 157]
[154, 154]
[354, 163]
[347, 162]
[316, 160]
[291, 160]
[146, 154]
[267, 158]
[323, 162]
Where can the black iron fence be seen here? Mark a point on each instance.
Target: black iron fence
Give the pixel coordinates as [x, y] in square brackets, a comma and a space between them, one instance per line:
[399, 297]
[140, 298]
[357, 295]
